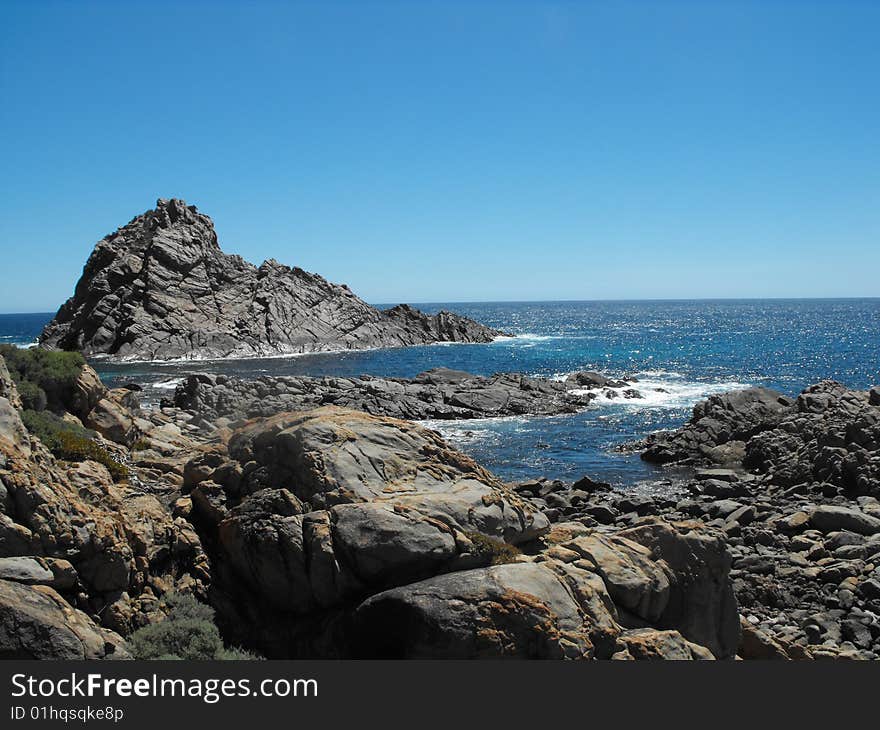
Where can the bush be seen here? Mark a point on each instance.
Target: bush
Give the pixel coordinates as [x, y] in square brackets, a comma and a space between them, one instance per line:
[78, 448]
[176, 639]
[48, 427]
[70, 441]
[44, 378]
[33, 397]
[493, 550]
[187, 632]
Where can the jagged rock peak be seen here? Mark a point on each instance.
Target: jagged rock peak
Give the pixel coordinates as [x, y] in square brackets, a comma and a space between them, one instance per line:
[160, 288]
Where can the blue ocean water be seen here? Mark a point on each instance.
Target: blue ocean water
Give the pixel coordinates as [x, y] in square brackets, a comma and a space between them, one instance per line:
[687, 348]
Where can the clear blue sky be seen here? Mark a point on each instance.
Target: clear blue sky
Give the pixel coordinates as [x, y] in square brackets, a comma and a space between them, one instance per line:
[428, 151]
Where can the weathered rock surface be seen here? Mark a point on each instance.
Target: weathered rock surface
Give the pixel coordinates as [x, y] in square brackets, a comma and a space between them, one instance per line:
[160, 288]
[328, 526]
[435, 394]
[794, 500]
[109, 549]
[520, 610]
[311, 510]
[37, 623]
[719, 428]
[829, 434]
[333, 532]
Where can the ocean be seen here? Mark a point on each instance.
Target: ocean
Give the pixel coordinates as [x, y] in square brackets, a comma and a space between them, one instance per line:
[690, 349]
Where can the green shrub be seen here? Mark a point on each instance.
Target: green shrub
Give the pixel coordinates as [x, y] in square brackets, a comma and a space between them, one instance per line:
[179, 639]
[71, 442]
[78, 448]
[33, 397]
[493, 550]
[46, 426]
[141, 444]
[237, 654]
[184, 607]
[37, 371]
[187, 632]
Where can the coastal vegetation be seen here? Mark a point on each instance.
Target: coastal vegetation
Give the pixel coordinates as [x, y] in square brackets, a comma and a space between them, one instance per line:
[46, 382]
[44, 378]
[188, 632]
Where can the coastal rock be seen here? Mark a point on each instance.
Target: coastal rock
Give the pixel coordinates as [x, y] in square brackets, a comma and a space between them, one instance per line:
[651, 644]
[635, 582]
[435, 394]
[25, 570]
[832, 435]
[37, 623]
[330, 527]
[70, 526]
[831, 518]
[718, 428]
[701, 604]
[829, 435]
[330, 504]
[521, 610]
[160, 288]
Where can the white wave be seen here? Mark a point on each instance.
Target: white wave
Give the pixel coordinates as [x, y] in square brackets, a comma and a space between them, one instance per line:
[23, 344]
[480, 429]
[660, 388]
[167, 384]
[659, 373]
[659, 392]
[273, 355]
[525, 337]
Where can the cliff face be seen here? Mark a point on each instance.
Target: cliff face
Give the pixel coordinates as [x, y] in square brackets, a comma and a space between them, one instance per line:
[160, 288]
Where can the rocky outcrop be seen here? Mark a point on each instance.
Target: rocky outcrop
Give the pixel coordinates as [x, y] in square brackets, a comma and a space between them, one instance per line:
[795, 501]
[160, 288]
[800, 565]
[719, 428]
[37, 623]
[313, 510]
[435, 394]
[70, 534]
[829, 435]
[332, 532]
[327, 528]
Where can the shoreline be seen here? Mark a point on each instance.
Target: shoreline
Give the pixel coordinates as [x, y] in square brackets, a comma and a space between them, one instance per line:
[741, 558]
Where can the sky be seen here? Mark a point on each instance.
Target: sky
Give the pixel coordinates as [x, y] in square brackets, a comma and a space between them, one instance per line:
[454, 151]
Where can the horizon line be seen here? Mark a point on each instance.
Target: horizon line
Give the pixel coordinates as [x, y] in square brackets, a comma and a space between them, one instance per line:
[575, 301]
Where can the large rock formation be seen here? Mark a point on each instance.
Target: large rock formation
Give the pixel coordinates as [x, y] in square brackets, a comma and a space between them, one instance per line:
[793, 485]
[828, 435]
[338, 533]
[73, 538]
[37, 623]
[435, 394]
[719, 428]
[160, 288]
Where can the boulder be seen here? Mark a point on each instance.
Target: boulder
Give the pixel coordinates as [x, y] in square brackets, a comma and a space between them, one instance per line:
[36, 623]
[88, 390]
[719, 420]
[329, 506]
[635, 582]
[701, 604]
[651, 644]
[520, 610]
[830, 518]
[25, 570]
